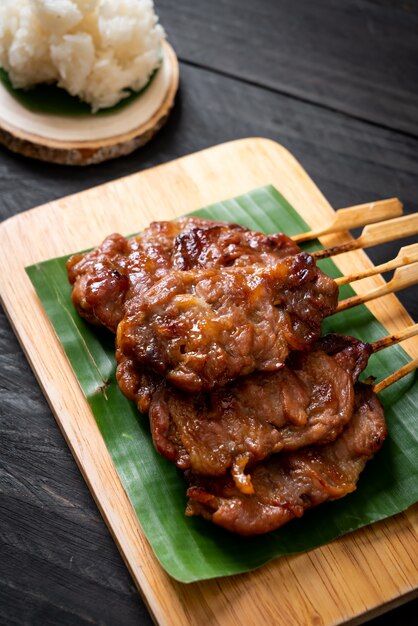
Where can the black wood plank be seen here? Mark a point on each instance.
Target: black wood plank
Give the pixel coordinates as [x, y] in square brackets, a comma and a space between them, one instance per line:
[359, 57]
[58, 563]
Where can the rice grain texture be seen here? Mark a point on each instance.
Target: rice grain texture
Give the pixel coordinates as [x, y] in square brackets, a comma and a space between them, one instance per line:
[97, 50]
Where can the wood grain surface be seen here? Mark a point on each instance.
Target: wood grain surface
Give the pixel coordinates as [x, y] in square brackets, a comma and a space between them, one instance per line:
[309, 588]
[358, 58]
[336, 83]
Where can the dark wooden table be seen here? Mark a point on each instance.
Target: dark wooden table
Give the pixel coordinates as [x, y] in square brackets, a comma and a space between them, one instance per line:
[336, 82]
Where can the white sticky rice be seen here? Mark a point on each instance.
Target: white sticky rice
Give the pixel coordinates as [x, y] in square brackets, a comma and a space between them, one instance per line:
[95, 49]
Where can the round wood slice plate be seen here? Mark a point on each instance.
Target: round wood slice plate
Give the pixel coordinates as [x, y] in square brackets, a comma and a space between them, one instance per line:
[91, 139]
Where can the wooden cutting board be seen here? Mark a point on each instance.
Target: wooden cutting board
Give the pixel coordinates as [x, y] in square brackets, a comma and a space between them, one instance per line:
[348, 580]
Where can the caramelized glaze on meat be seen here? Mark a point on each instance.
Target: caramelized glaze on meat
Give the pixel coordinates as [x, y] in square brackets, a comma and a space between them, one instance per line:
[206, 314]
[289, 483]
[203, 328]
[100, 282]
[308, 401]
[220, 244]
[106, 277]
[136, 382]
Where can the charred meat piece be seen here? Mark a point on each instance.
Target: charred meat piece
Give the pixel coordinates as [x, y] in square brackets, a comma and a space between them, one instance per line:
[308, 401]
[203, 328]
[106, 277]
[289, 483]
[221, 244]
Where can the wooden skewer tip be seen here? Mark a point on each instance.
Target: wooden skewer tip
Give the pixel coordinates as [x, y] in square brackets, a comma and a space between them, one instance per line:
[391, 340]
[393, 378]
[355, 216]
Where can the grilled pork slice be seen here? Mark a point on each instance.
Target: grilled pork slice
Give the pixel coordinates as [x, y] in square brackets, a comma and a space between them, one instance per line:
[203, 328]
[232, 427]
[289, 483]
[106, 277]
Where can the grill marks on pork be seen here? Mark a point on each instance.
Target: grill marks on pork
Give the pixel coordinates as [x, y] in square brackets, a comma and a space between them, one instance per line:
[221, 244]
[202, 302]
[310, 400]
[288, 484]
[203, 328]
[105, 278]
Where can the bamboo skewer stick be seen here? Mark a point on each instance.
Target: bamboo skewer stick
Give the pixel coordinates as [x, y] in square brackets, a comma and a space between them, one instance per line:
[406, 255]
[391, 340]
[403, 277]
[359, 215]
[393, 378]
[375, 234]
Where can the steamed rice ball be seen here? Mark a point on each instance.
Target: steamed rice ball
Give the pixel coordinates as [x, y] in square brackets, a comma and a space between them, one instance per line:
[97, 50]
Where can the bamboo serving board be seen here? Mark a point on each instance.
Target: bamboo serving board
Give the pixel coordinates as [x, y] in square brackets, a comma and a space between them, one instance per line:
[348, 580]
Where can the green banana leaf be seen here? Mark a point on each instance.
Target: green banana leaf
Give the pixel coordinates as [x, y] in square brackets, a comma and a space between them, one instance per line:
[193, 549]
[53, 100]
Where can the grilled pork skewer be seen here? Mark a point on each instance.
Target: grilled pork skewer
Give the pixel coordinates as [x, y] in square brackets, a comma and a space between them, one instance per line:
[309, 401]
[203, 328]
[203, 302]
[375, 234]
[289, 483]
[118, 269]
[404, 277]
[352, 217]
[127, 270]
